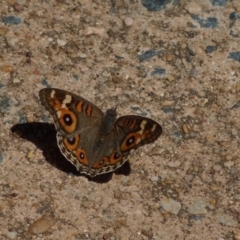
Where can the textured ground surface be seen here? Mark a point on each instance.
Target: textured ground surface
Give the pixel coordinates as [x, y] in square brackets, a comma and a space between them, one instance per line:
[178, 64]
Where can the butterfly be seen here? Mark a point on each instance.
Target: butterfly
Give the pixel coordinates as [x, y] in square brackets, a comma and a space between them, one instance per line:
[94, 142]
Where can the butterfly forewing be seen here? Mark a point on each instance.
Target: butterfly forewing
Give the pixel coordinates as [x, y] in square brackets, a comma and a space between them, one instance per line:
[72, 114]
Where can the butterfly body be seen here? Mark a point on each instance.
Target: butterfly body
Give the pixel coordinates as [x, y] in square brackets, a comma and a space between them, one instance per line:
[93, 142]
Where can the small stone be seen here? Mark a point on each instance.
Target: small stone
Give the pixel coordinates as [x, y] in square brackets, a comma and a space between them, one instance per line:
[185, 128]
[167, 103]
[30, 118]
[215, 187]
[147, 233]
[166, 215]
[210, 49]
[17, 7]
[116, 79]
[3, 31]
[196, 168]
[16, 80]
[155, 5]
[147, 55]
[234, 55]
[61, 43]
[213, 203]
[12, 41]
[128, 21]
[227, 220]
[117, 195]
[170, 205]
[174, 164]
[87, 19]
[193, 7]
[189, 177]
[11, 235]
[36, 72]
[170, 78]
[88, 31]
[169, 57]
[210, 22]
[31, 155]
[12, 20]
[41, 225]
[158, 71]
[83, 55]
[94, 30]
[154, 178]
[198, 207]
[229, 164]
[217, 167]
[218, 2]
[7, 68]
[234, 16]
[178, 189]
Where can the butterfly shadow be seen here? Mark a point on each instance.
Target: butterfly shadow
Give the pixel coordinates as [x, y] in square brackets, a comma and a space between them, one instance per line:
[43, 135]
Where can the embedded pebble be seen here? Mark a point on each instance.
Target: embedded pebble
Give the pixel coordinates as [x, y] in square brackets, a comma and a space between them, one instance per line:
[210, 49]
[234, 55]
[30, 118]
[229, 164]
[234, 15]
[188, 177]
[158, 71]
[83, 55]
[227, 220]
[219, 2]
[169, 57]
[154, 178]
[94, 30]
[147, 55]
[167, 109]
[154, 5]
[12, 20]
[128, 21]
[209, 22]
[170, 205]
[17, 7]
[193, 7]
[16, 80]
[11, 235]
[12, 41]
[117, 195]
[174, 164]
[217, 167]
[198, 207]
[170, 78]
[41, 225]
[61, 43]
[7, 68]
[167, 102]
[4, 30]
[215, 187]
[31, 155]
[185, 128]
